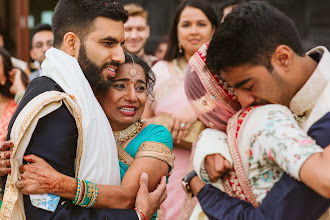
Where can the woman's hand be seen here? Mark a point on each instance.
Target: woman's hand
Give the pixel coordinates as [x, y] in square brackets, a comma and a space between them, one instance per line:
[181, 122]
[18, 85]
[38, 177]
[5, 154]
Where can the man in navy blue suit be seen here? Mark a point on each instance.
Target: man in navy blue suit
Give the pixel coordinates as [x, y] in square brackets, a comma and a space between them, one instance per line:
[91, 31]
[257, 50]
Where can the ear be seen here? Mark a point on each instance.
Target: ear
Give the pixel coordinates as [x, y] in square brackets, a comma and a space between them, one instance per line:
[148, 31]
[71, 44]
[283, 57]
[32, 54]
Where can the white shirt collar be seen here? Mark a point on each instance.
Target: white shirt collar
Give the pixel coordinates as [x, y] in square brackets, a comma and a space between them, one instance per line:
[306, 97]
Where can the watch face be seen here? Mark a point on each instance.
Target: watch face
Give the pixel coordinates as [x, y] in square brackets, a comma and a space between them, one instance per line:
[186, 188]
[184, 185]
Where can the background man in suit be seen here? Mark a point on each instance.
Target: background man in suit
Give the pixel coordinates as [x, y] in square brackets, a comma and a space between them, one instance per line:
[137, 32]
[42, 39]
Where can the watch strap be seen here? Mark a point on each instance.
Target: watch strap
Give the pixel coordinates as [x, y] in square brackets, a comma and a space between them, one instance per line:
[189, 176]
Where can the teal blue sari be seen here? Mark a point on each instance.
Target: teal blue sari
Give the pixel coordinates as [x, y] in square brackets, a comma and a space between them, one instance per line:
[151, 133]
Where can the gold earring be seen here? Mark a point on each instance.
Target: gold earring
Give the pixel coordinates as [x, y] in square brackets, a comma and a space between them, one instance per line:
[180, 47]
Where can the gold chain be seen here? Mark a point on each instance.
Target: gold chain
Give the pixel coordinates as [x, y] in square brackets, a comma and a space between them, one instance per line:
[129, 132]
[180, 64]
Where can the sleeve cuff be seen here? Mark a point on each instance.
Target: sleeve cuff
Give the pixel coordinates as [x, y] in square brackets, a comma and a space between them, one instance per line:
[211, 141]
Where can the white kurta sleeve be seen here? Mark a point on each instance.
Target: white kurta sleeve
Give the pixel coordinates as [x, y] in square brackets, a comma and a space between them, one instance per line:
[211, 141]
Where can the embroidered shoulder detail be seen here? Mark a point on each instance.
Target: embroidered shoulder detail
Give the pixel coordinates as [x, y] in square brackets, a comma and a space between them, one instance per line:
[156, 150]
[123, 156]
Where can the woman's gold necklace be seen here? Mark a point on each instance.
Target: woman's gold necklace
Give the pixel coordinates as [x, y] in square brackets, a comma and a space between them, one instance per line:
[180, 64]
[131, 131]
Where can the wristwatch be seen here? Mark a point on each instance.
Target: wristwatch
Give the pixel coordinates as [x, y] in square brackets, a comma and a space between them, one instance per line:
[185, 183]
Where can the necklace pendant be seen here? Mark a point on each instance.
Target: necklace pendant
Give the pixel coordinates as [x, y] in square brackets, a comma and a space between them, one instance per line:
[133, 74]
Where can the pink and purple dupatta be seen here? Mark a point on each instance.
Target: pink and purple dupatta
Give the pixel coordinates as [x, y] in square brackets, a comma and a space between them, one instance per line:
[215, 102]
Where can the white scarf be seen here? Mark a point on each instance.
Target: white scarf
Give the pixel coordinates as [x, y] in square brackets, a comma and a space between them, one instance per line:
[99, 160]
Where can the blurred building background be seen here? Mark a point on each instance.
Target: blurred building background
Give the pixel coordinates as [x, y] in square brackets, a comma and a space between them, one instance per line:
[18, 17]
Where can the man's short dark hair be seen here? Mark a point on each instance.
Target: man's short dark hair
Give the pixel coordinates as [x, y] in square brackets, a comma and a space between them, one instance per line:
[249, 35]
[78, 16]
[38, 28]
[41, 27]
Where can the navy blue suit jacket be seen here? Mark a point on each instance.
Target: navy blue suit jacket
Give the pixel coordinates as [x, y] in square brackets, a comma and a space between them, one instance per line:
[288, 199]
[55, 140]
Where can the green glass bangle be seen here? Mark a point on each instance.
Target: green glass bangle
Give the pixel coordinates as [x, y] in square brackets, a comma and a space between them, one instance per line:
[88, 193]
[78, 191]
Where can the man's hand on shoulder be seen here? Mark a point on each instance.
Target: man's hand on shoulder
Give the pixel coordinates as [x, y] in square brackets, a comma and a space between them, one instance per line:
[147, 202]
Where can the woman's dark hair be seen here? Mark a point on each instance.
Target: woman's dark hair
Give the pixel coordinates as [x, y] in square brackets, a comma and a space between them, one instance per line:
[149, 74]
[249, 35]
[78, 16]
[7, 66]
[173, 48]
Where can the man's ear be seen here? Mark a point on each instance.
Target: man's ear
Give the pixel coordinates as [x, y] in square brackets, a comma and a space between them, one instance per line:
[283, 57]
[71, 44]
[148, 31]
[32, 54]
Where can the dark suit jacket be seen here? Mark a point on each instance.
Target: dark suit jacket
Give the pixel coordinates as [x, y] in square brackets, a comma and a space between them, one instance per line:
[55, 140]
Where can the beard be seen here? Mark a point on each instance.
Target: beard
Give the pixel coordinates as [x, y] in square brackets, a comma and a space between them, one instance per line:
[93, 72]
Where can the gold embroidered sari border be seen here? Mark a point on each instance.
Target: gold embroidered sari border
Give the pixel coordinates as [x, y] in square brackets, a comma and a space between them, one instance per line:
[123, 156]
[233, 128]
[210, 83]
[156, 150]
[11, 192]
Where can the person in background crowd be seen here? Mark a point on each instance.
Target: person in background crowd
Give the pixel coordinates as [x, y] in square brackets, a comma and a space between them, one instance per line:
[137, 32]
[161, 48]
[16, 62]
[7, 102]
[42, 39]
[193, 24]
[7, 93]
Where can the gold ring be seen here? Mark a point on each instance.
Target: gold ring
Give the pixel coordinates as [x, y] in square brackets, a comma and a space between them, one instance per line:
[3, 156]
[20, 177]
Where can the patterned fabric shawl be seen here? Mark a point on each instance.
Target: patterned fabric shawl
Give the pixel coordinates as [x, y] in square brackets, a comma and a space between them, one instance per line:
[214, 101]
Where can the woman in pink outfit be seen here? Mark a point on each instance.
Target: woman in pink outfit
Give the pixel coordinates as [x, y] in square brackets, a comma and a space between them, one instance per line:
[193, 24]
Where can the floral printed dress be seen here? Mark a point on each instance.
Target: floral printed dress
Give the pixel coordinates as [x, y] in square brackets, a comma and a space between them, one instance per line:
[265, 142]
